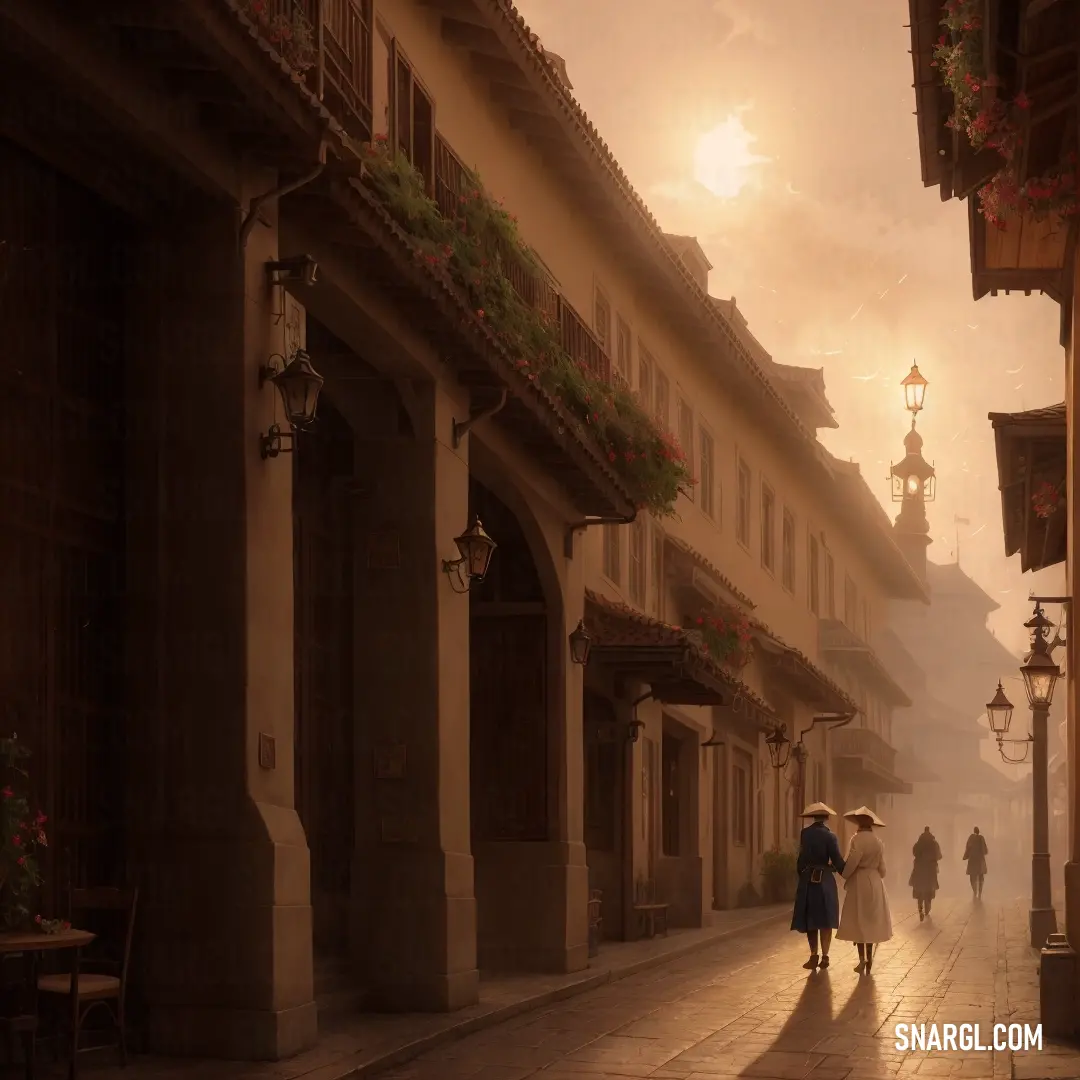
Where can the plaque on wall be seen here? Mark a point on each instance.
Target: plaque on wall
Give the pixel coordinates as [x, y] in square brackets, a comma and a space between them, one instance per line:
[390, 761]
[397, 829]
[383, 551]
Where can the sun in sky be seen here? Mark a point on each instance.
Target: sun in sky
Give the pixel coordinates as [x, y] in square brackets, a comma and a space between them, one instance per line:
[723, 160]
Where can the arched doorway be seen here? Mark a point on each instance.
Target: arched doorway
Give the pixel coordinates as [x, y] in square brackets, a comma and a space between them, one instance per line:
[324, 616]
[509, 744]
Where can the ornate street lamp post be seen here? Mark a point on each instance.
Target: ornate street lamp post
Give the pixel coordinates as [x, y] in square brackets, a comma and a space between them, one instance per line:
[1040, 675]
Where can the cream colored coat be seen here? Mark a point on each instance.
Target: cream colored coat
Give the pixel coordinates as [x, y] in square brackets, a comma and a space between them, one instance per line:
[866, 915]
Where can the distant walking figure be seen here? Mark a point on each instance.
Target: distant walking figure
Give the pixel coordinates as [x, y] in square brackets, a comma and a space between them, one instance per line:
[924, 874]
[817, 906]
[866, 919]
[975, 856]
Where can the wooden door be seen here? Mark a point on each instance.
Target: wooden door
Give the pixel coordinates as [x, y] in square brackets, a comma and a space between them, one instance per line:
[324, 613]
[62, 587]
[508, 722]
[722, 900]
[605, 809]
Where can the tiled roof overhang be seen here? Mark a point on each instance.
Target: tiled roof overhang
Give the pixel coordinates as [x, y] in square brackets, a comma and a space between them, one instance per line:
[800, 673]
[867, 773]
[676, 668]
[692, 555]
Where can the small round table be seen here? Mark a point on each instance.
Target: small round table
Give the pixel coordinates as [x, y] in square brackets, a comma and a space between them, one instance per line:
[31, 944]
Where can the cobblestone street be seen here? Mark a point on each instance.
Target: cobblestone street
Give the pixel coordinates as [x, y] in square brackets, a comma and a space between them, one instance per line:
[746, 1008]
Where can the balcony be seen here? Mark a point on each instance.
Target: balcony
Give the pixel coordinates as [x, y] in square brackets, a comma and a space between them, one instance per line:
[845, 648]
[532, 285]
[328, 44]
[865, 758]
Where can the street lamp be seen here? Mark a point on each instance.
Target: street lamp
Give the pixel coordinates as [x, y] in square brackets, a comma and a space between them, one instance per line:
[1040, 675]
[999, 712]
[779, 751]
[914, 390]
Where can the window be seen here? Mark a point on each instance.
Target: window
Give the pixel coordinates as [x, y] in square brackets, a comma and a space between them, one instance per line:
[768, 528]
[602, 321]
[787, 552]
[413, 117]
[382, 53]
[851, 603]
[819, 782]
[623, 348]
[602, 761]
[656, 575]
[686, 438]
[637, 561]
[830, 585]
[706, 481]
[742, 523]
[813, 584]
[612, 546]
[670, 751]
[663, 400]
[645, 378]
[740, 809]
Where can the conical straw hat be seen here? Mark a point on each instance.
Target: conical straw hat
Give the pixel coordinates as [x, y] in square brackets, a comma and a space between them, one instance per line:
[865, 811]
[818, 809]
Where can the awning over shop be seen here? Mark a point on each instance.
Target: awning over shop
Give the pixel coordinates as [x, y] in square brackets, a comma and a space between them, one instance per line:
[692, 571]
[668, 658]
[1031, 458]
[846, 647]
[803, 677]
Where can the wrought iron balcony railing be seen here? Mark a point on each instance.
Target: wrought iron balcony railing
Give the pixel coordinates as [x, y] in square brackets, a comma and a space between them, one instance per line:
[529, 281]
[328, 43]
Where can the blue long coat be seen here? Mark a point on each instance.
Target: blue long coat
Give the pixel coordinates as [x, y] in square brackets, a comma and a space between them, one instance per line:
[817, 906]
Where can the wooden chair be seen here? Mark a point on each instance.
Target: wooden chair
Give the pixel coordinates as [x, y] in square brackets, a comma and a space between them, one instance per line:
[652, 916]
[103, 969]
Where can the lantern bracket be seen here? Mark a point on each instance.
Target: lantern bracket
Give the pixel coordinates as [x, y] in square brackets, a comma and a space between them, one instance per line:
[579, 526]
[274, 366]
[271, 445]
[462, 428]
[297, 270]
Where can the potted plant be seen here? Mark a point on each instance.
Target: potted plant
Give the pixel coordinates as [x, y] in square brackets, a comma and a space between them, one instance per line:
[22, 833]
[779, 874]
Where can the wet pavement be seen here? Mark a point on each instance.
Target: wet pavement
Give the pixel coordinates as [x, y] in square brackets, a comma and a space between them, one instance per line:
[746, 1008]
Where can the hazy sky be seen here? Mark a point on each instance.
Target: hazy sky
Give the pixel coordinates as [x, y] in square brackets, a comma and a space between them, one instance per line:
[835, 252]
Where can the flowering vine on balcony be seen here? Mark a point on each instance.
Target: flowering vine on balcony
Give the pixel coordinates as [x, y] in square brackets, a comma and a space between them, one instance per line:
[1047, 500]
[988, 121]
[726, 640]
[290, 32]
[476, 249]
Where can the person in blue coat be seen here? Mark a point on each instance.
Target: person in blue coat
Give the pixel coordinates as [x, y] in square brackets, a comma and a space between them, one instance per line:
[817, 905]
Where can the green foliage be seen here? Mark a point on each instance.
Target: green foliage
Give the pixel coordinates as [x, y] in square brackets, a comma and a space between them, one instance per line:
[725, 639]
[22, 835]
[480, 251]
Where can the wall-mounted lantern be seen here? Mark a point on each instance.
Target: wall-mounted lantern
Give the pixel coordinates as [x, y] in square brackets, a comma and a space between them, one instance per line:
[580, 645]
[299, 386]
[476, 549]
[779, 747]
[634, 730]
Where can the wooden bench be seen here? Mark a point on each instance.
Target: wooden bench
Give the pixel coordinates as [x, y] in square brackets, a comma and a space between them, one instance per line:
[652, 917]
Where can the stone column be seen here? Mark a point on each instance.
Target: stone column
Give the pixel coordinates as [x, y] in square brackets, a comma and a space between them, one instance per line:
[414, 904]
[1042, 920]
[223, 964]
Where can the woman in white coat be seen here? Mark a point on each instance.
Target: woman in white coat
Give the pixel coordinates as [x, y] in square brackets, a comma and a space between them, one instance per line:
[865, 919]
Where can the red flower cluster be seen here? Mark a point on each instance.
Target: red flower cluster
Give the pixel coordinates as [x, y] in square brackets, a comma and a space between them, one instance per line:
[1046, 501]
[725, 639]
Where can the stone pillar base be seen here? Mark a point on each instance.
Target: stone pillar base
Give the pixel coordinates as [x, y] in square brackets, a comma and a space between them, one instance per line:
[416, 929]
[532, 906]
[1042, 922]
[232, 1034]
